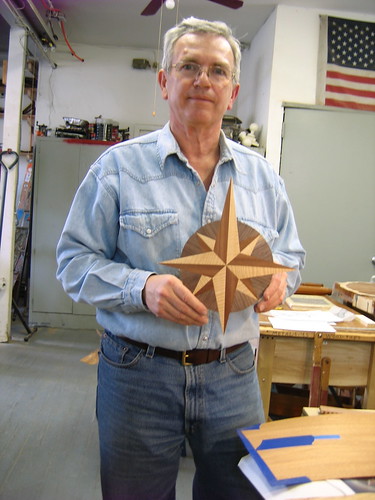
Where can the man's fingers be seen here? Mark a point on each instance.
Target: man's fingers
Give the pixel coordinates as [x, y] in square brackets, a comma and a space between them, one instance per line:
[186, 307]
[167, 297]
[274, 294]
[187, 301]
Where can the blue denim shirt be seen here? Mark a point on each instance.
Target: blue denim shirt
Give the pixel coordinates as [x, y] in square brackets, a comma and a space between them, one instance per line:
[138, 205]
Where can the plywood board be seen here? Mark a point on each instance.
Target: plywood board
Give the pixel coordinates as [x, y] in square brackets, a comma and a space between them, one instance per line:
[303, 449]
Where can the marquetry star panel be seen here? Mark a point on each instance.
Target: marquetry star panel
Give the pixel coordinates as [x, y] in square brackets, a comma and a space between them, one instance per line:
[227, 264]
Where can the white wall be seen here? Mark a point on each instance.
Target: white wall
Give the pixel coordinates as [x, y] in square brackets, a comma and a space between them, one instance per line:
[104, 84]
[292, 70]
[256, 77]
[280, 66]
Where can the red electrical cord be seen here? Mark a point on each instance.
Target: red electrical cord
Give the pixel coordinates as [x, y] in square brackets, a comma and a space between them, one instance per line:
[67, 42]
[50, 7]
[62, 26]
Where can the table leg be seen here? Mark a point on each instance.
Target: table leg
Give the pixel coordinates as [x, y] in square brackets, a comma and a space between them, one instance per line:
[266, 353]
[369, 401]
[324, 380]
[316, 370]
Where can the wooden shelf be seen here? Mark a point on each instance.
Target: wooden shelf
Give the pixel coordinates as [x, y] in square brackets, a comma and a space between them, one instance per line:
[24, 117]
[90, 142]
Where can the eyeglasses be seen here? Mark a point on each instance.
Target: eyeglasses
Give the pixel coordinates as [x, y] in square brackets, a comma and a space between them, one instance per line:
[216, 73]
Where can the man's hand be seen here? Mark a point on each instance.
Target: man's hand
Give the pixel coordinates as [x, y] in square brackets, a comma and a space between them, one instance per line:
[167, 297]
[274, 294]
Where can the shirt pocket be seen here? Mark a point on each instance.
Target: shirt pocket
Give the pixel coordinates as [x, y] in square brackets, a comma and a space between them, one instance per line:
[149, 236]
[268, 233]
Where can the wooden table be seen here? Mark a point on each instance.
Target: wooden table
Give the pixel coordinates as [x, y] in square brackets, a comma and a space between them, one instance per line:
[342, 359]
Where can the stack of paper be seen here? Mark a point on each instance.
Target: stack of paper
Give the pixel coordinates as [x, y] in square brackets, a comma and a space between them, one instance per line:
[309, 321]
[314, 489]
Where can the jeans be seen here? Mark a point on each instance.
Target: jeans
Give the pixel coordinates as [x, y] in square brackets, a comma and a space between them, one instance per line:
[147, 405]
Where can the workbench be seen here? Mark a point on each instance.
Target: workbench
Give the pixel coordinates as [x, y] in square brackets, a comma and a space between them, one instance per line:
[317, 359]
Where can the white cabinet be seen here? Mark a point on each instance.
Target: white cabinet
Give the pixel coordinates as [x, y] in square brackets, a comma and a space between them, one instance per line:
[59, 168]
[328, 164]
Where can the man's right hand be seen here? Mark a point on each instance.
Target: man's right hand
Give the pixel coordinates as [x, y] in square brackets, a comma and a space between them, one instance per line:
[168, 298]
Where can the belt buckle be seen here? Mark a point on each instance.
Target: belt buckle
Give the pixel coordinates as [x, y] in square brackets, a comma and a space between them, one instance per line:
[184, 359]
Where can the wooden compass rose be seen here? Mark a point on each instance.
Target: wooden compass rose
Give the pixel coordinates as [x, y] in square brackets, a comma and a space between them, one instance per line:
[227, 264]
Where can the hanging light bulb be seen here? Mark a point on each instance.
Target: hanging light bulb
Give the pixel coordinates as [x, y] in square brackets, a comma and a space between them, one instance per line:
[170, 4]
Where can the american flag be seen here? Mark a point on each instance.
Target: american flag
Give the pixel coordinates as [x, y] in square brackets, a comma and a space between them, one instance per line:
[346, 75]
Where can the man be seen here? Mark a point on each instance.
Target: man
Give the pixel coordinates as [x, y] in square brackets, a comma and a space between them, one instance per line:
[138, 205]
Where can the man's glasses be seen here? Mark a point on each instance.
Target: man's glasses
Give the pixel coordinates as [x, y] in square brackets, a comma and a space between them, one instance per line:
[216, 73]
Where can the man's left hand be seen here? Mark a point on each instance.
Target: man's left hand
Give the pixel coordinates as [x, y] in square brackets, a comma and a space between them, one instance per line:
[274, 294]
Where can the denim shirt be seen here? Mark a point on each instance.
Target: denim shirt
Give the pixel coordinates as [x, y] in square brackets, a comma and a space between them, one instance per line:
[138, 205]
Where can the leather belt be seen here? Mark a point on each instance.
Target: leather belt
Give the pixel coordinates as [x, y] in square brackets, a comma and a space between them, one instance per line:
[193, 357]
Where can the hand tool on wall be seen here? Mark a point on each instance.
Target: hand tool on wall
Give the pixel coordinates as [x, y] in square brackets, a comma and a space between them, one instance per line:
[6, 166]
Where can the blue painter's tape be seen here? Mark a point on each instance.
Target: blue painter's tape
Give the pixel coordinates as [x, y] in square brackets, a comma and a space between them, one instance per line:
[286, 442]
[328, 436]
[268, 474]
[280, 443]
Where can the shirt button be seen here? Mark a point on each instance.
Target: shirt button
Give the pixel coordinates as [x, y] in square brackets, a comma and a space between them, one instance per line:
[148, 230]
[209, 221]
[205, 338]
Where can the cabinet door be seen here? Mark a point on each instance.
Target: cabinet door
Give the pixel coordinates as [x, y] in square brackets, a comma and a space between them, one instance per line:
[59, 169]
[328, 164]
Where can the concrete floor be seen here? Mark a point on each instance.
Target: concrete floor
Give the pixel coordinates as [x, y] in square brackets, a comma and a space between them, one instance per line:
[48, 431]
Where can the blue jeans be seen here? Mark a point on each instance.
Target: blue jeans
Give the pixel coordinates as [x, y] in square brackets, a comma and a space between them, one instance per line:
[147, 405]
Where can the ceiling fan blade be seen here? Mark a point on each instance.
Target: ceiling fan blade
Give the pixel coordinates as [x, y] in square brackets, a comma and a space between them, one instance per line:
[152, 7]
[232, 4]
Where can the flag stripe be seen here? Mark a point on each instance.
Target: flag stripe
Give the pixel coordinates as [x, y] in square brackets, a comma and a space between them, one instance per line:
[347, 90]
[349, 85]
[350, 105]
[351, 78]
[350, 71]
[349, 98]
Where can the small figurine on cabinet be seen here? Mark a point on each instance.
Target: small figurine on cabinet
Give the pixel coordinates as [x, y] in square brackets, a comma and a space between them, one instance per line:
[247, 137]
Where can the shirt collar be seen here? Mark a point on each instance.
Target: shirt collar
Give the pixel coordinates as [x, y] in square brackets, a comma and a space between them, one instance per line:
[167, 145]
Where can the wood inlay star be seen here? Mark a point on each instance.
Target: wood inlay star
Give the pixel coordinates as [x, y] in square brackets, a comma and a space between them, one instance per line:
[226, 263]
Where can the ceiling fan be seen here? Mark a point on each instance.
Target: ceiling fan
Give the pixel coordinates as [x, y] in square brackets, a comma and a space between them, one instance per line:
[155, 5]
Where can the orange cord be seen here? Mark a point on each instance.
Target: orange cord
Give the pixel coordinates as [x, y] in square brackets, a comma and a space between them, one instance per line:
[52, 9]
[67, 42]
